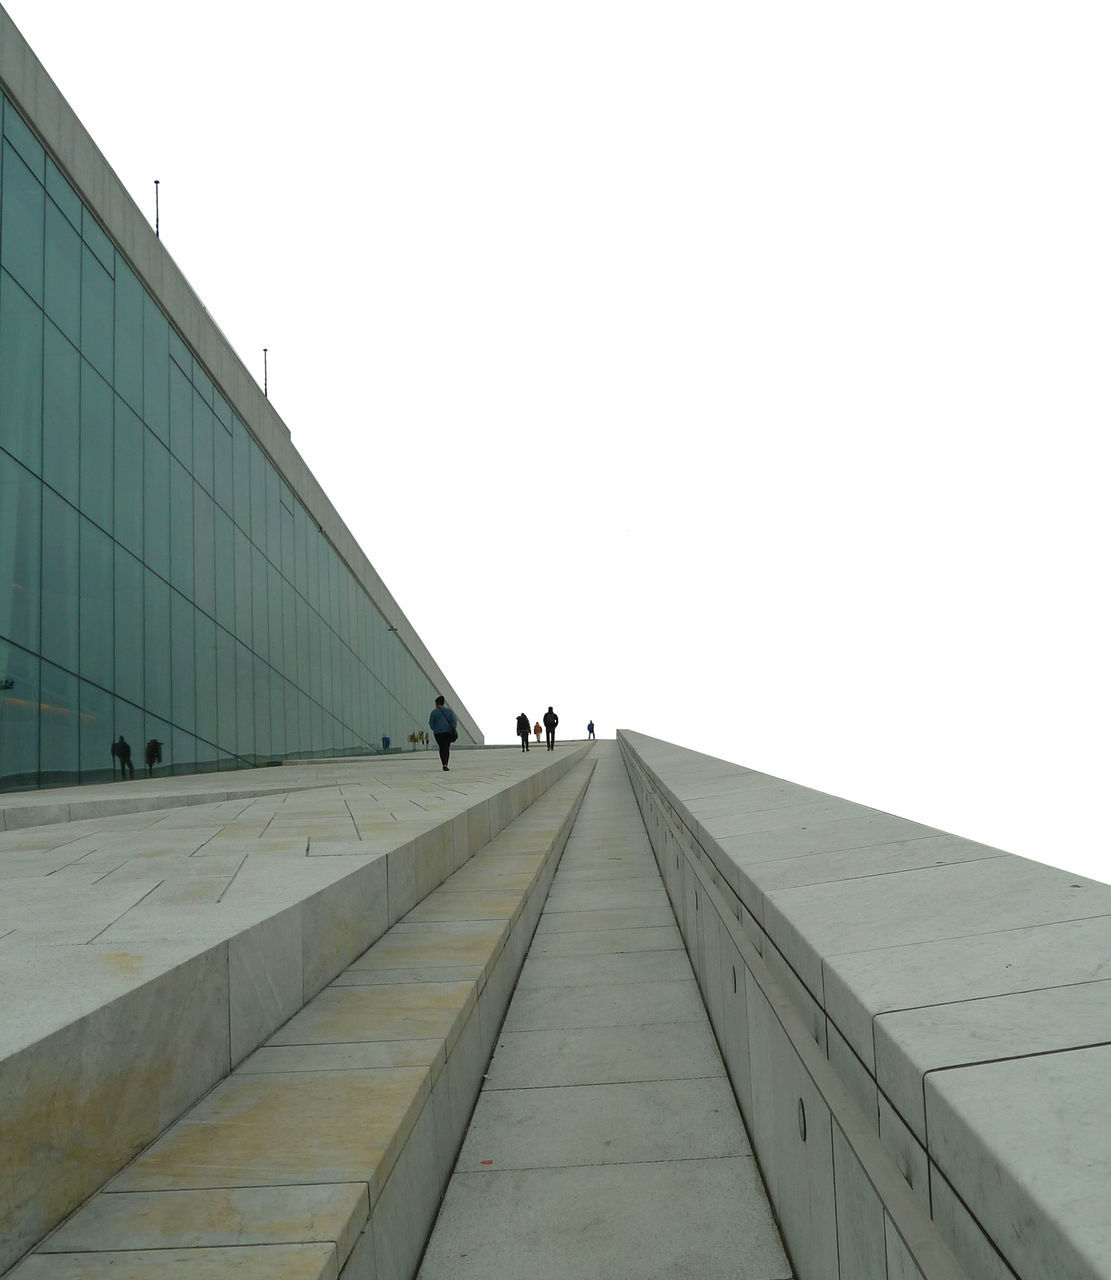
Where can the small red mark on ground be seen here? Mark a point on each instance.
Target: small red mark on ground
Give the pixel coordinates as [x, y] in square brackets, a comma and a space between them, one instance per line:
[487, 1162]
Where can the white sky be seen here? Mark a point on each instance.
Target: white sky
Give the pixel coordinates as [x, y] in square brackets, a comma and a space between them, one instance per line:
[733, 372]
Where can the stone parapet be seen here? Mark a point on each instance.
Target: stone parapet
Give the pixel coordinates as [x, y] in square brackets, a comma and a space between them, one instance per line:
[917, 1026]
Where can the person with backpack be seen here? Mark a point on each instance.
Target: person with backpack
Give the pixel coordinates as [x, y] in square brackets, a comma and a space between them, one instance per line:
[550, 722]
[442, 723]
[523, 730]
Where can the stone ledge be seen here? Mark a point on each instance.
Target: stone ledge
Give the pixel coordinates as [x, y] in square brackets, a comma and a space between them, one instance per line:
[173, 977]
[337, 1137]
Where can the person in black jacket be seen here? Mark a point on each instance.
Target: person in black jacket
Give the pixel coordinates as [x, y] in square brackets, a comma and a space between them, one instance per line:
[550, 722]
[523, 730]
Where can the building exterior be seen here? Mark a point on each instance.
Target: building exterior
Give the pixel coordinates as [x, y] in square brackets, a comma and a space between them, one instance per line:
[169, 568]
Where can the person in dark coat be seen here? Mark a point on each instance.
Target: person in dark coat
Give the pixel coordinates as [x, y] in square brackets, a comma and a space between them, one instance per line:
[442, 723]
[122, 751]
[523, 730]
[550, 722]
[153, 756]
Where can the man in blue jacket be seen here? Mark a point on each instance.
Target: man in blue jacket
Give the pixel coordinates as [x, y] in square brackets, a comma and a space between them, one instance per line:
[442, 724]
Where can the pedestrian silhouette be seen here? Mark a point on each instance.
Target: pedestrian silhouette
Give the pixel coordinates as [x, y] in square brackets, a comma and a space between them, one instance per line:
[522, 730]
[550, 722]
[153, 756]
[536, 730]
[122, 751]
[590, 729]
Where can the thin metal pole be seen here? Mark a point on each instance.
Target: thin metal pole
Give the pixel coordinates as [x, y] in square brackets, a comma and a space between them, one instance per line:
[157, 236]
[264, 374]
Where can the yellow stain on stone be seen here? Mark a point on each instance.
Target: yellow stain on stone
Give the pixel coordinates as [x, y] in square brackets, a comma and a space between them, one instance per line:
[258, 1262]
[274, 1130]
[123, 963]
[413, 946]
[222, 1216]
[410, 1011]
[445, 905]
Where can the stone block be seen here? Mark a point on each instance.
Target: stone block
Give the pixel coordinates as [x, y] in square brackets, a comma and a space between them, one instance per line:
[266, 982]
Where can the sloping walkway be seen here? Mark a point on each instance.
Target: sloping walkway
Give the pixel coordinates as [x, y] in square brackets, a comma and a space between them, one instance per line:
[606, 1141]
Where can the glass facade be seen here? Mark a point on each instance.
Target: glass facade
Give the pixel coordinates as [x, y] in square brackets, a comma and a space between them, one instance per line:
[158, 577]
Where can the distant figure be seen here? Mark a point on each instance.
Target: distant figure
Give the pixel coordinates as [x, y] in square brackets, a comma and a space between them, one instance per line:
[536, 730]
[550, 722]
[153, 756]
[442, 723]
[122, 751]
[590, 729]
[522, 731]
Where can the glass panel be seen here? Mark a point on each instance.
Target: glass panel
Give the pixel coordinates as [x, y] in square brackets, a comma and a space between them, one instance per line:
[277, 716]
[128, 649]
[242, 587]
[127, 723]
[287, 562]
[241, 470]
[97, 314]
[128, 513]
[225, 694]
[262, 710]
[63, 273]
[225, 570]
[181, 529]
[97, 453]
[184, 656]
[292, 725]
[202, 442]
[19, 718]
[273, 546]
[245, 700]
[204, 558]
[203, 383]
[205, 683]
[129, 337]
[20, 548]
[97, 762]
[97, 241]
[97, 607]
[185, 756]
[274, 620]
[259, 595]
[300, 549]
[58, 726]
[181, 354]
[181, 416]
[156, 498]
[60, 559]
[156, 645]
[222, 462]
[156, 369]
[258, 496]
[24, 141]
[62, 194]
[61, 413]
[22, 223]
[156, 755]
[20, 375]
[289, 630]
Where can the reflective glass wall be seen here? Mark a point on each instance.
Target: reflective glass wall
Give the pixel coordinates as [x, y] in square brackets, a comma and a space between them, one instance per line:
[158, 578]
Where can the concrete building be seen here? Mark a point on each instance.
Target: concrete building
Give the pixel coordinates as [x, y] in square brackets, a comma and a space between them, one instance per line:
[169, 568]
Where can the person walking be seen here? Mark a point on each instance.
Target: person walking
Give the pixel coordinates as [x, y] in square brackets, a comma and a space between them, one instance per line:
[442, 723]
[550, 722]
[122, 751]
[523, 730]
[590, 729]
[536, 730]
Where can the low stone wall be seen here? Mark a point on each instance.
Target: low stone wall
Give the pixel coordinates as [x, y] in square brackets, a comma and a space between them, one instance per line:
[917, 1027]
[107, 1042]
